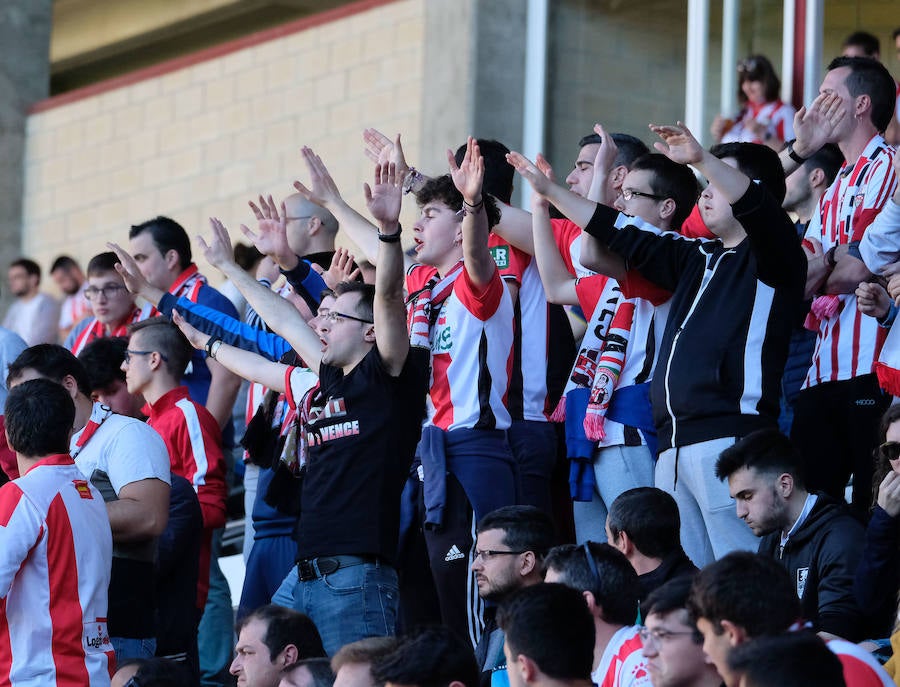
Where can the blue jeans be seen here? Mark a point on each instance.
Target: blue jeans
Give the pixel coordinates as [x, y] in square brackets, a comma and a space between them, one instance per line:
[351, 603]
[129, 647]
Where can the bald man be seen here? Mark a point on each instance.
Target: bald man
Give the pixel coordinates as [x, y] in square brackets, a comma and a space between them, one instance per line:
[310, 230]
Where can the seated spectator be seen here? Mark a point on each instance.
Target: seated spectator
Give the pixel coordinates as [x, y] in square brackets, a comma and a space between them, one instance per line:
[644, 525]
[510, 546]
[310, 672]
[112, 307]
[814, 537]
[878, 575]
[352, 664]
[549, 637]
[102, 360]
[672, 646]
[33, 315]
[151, 672]
[269, 640]
[745, 596]
[788, 660]
[610, 587]
[55, 551]
[431, 657]
[70, 279]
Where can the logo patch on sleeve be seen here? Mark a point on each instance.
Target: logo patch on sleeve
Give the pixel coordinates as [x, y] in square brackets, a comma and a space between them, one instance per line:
[501, 256]
[84, 491]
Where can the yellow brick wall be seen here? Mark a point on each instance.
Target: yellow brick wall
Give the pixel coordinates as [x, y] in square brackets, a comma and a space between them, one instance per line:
[202, 140]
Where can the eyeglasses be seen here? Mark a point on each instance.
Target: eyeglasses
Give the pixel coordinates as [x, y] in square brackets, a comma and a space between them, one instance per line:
[129, 353]
[335, 316]
[889, 450]
[488, 554]
[108, 291]
[629, 193]
[659, 635]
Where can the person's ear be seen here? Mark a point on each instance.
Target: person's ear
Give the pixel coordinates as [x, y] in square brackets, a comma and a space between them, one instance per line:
[667, 208]
[172, 259]
[624, 544]
[817, 177]
[369, 334]
[313, 226]
[736, 634]
[528, 563]
[785, 484]
[289, 655]
[617, 176]
[862, 103]
[69, 384]
[155, 361]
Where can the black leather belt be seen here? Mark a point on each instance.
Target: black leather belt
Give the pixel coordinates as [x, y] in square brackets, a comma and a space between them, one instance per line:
[314, 568]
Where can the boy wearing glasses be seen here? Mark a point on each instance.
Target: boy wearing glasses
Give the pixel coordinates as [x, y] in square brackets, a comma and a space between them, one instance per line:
[154, 364]
[112, 306]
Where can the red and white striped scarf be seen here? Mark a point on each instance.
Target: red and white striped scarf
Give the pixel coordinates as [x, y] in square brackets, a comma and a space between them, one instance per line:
[187, 285]
[97, 330]
[424, 305]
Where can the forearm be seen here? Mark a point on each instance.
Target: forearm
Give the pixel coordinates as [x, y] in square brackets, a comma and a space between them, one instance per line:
[479, 263]
[306, 282]
[515, 227]
[598, 257]
[389, 309]
[252, 366]
[360, 230]
[223, 391]
[846, 276]
[134, 521]
[817, 271]
[728, 180]
[578, 209]
[559, 285]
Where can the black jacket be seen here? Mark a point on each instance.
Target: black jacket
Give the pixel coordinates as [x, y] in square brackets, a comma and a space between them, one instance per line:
[878, 574]
[723, 352]
[821, 558]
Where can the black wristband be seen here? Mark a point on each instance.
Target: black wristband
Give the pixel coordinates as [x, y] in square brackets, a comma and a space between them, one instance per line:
[209, 345]
[829, 257]
[792, 154]
[389, 238]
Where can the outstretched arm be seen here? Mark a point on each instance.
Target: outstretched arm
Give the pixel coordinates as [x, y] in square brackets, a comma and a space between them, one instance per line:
[468, 177]
[278, 313]
[383, 199]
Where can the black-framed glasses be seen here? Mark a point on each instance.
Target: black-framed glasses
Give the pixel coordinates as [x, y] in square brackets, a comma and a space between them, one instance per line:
[108, 291]
[335, 316]
[629, 193]
[488, 554]
[659, 636]
[129, 353]
[889, 450]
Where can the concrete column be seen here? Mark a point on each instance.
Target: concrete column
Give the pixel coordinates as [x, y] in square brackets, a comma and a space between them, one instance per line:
[24, 79]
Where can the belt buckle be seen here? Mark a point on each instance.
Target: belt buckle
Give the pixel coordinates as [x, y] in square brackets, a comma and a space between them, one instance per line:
[305, 570]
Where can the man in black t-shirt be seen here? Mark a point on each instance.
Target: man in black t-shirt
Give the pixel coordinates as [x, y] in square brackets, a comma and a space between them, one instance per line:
[359, 424]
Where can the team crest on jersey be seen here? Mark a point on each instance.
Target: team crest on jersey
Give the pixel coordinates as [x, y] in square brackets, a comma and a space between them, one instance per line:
[501, 256]
[442, 341]
[858, 199]
[84, 491]
[802, 576]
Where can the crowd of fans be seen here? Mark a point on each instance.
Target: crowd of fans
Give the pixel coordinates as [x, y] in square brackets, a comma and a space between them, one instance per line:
[538, 448]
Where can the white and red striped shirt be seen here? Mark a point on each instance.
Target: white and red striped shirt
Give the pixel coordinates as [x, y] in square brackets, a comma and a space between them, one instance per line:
[777, 117]
[94, 329]
[860, 667]
[568, 241]
[623, 663]
[848, 344]
[74, 309]
[55, 560]
[471, 353]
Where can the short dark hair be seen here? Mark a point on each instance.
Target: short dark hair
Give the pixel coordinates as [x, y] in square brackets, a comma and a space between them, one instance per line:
[319, 669]
[630, 147]
[671, 597]
[498, 173]
[793, 659]
[29, 265]
[161, 335]
[828, 158]
[39, 417]
[758, 68]
[102, 359]
[102, 263]
[870, 77]
[615, 588]
[368, 651]
[51, 361]
[441, 189]
[525, 528]
[757, 161]
[432, 656]
[286, 626]
[649, 516]
[868, 42]
[551, 625]
[767, 451]
[63, 262]
[159, 672]
[670, 180]
[167, 235]
[752, 591]
[365, 308]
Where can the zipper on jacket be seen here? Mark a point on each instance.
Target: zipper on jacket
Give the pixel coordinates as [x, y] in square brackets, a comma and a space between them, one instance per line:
[707, 278]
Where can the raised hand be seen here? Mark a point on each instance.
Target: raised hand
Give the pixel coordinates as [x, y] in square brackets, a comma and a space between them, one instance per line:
[267, 270]
[531, 172]
[385, 196]
[678, 143]
[468, 176]
[324, 191]
[814, 125]
[872, 299]
[538, 202]
[196, 338]
[270, 237]
[889, 494]
[218, 252]
[382, 151]
[606, 154]
[342, 268]
[134, 280]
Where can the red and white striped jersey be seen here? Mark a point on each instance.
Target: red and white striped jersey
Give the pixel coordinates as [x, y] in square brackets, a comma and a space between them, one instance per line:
[74, 309]
[623, 663]
[55, 560]
[860, 667]
[848, 343]
[471, 353]
[568, 240]
[778, 117]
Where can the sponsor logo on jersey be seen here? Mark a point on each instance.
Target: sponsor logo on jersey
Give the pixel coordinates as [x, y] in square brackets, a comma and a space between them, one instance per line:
[501, 256]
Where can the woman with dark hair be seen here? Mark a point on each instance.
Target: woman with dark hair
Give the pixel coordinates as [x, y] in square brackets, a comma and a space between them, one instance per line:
[763, 117]
[878, 575]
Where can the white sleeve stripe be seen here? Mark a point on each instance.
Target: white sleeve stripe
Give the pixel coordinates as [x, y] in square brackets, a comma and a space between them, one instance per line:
[195, 436]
